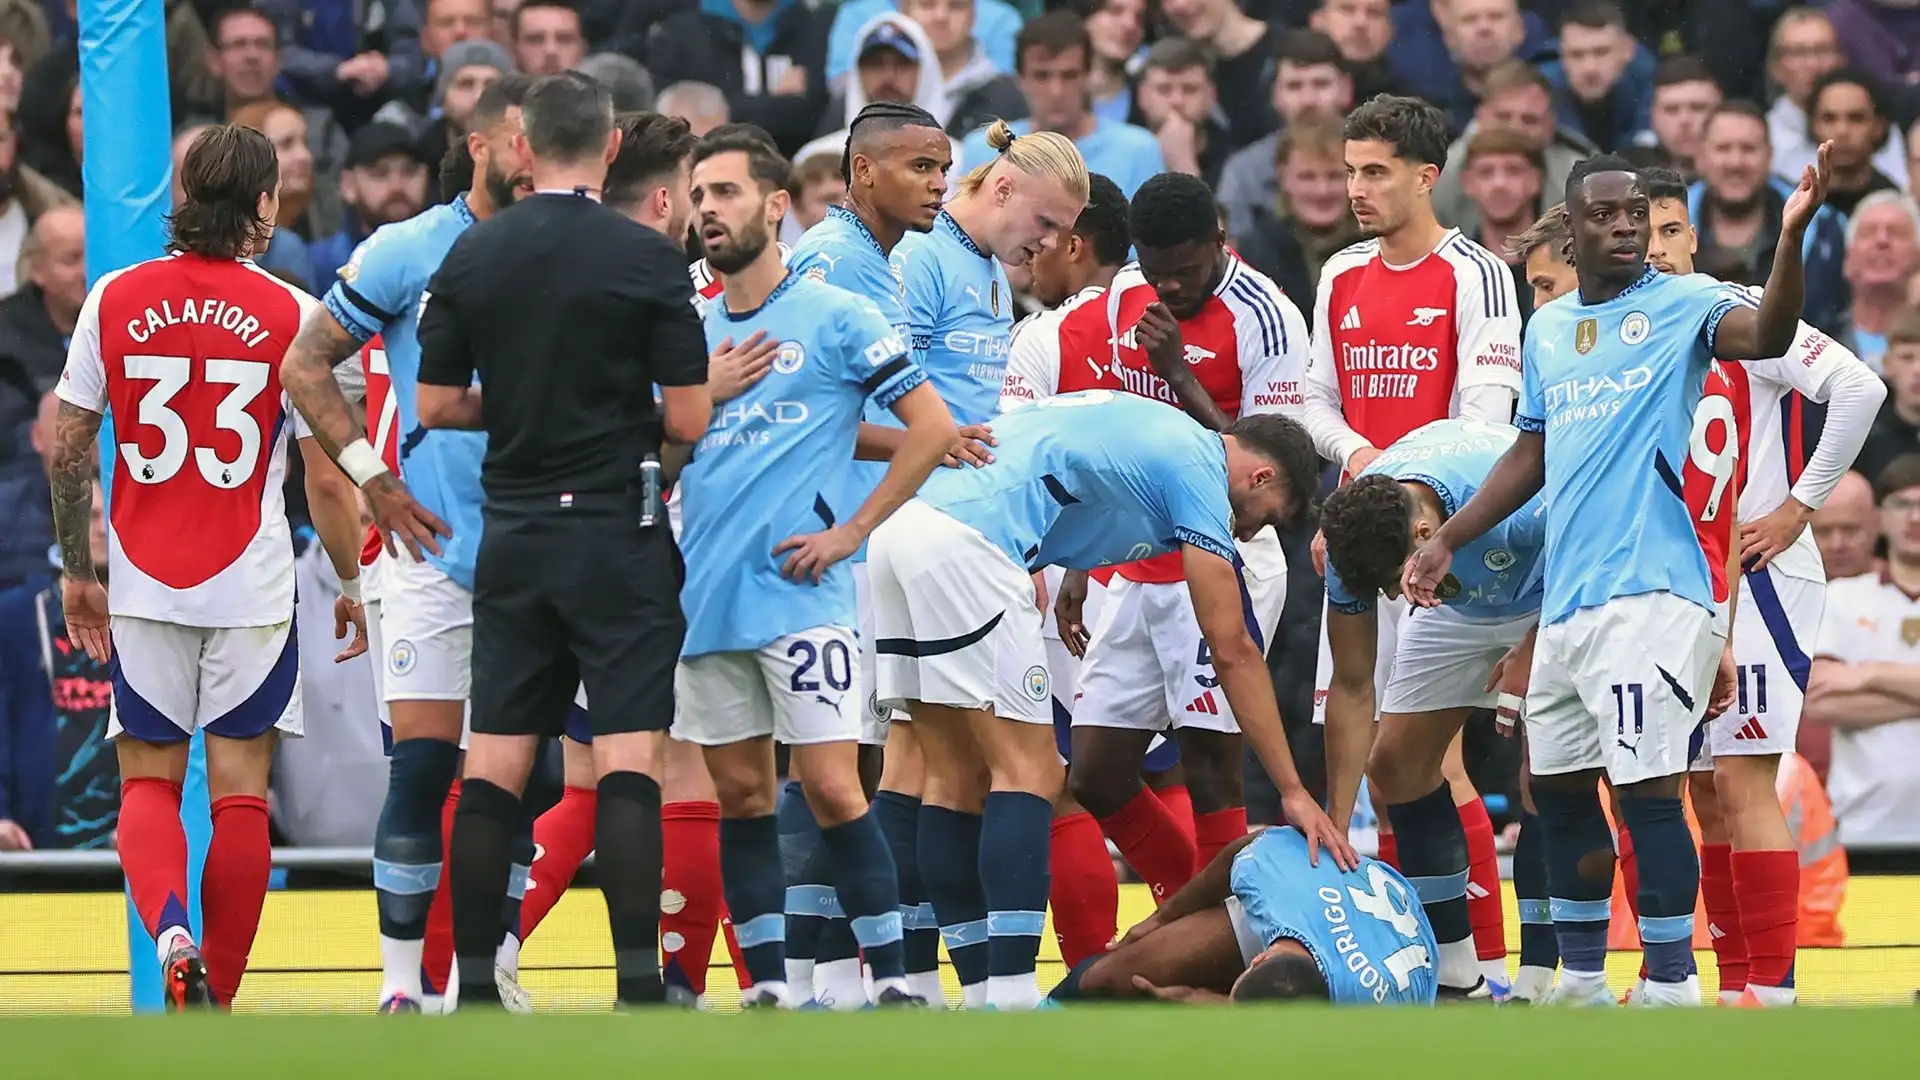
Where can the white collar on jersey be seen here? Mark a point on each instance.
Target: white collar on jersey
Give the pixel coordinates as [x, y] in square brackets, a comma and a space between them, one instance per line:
[580, 192]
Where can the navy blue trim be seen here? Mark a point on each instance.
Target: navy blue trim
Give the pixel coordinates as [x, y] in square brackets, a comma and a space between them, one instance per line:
[945, 221]
[786, 282]
[1647, 278]
[1668, 476]
[937, 647]
[366, 306]
[1246, 607]
[1774, 614]
[1487, 288]
[462, 211]
[1446, 497]
[1272, 327]
[1673, 684]
[821, 508]
[900, 389]
[1058, 490]
[1530, 424]
[843, 214]
[412, 442]
[887, 371]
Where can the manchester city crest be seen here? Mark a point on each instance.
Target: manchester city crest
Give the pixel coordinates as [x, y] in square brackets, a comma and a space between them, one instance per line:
[1635, 327]
[1498, 559]
[788, 360]
[1036, 683]
[401, 658]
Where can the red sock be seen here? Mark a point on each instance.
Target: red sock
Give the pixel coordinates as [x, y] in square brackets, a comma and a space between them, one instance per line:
[153, 851]
[1723, 915]
[1179, 803]
[1153, 843]
[1483, 883]
[1767, 884]
[1216, 830]
[562, 840]
[1085, 896]
[1389, 850]
[233, 889]
[436, 955]
[690, 886]
[1630, 881]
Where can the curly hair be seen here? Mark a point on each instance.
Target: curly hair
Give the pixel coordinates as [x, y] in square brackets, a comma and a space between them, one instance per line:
[1369, 529]
[1172, 209]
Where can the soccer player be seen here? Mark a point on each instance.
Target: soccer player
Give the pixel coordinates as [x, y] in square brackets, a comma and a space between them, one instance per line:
[1193, 326]
[427, 601]
[1264, 922]
[1414, 324]
[960, 317]
[1629, 643]
[1078, 481]
[1443, 656]
[770, 638]
[1547, 256]
[187, 350]
[1749, 869]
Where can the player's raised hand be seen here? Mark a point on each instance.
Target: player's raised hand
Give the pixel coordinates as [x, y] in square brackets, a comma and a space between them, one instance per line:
[1725, 682]
[84, 600]
[813, 553]
[1761, 540]
[972, 449]
[1069, 613]
[348, 613]
[1306, 815]
[1158, 333]
[1186, 995]
[399, 515]
[1807, 199]
[1420, 579]
[732, 369]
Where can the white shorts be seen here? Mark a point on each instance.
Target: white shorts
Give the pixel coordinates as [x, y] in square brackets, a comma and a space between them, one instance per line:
[236, 682]
[955, 621]
[1441, 660]
[1622, 686]
[873, 718]
[1148, 667]
[1773, 626]
[801, 689]
[1392, 614]
[426, 633]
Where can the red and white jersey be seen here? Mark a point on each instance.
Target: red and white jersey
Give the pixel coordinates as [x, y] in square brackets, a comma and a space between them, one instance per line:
[383, 423]
[1714, 478]
[1394, 346]
[186, 353]
[707, 284]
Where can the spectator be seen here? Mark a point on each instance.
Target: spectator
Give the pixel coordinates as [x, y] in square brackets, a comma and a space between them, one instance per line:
[57, 157]
[243, 56]
[1865, 682]
[1516, 98]
[1311, 76]
[59, 775]
[1684, 95]
[700, 104]
[817, 184]
[1362, 30]
[1605, 75]
[12, 71]
[1880, 37]
[1241, 48]
[1850, 110]
[995, 25]
[1883, 254]
[768, 56]
[977, 92]
[1804, 48]
[897, 63]
[37, 320]
[465, 70]
[1442, 49]
[1847, 528]
[500, 22]
[1116, 27]
[24, 196]
[1502, 178]
[385, 181]
[629, 84]
[347, 56]
[285, 125]
[1055, 57]
[1178, 102]
[1735, 207]
[548, 37]
[25, 497]
[1896, 431]
[1290, 237]
[450, 24]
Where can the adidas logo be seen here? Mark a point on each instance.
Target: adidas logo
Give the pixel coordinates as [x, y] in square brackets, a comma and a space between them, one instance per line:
[1205, 703]
[1750, 730]
[1714, 931]
[1352, 319]
[1477, 892]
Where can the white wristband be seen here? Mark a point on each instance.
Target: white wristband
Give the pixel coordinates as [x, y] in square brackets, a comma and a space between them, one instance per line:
[350, 588]
[360, 461]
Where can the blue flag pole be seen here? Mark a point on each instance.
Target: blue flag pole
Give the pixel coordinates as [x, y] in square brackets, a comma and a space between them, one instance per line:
[127, 173]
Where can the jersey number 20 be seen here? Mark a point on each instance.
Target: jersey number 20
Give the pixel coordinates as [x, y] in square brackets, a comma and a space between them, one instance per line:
[170, 375]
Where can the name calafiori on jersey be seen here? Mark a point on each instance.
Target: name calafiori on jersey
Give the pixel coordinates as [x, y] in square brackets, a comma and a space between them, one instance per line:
[1386, 371]
[210, 312]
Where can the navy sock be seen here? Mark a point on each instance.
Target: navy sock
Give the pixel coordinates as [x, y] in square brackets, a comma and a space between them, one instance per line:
[1577, 837]
[1068, 988]
[1433, 856]
[1669, 883]
[750, 880]
[483, 828]
[406, 841]
[1537, 945]
[809, 896]
[869, 889]
[899, 818]
[949, 853]
[1015, 842]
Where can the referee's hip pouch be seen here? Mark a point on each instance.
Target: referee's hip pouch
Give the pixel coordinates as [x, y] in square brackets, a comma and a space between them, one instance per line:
[571, 591]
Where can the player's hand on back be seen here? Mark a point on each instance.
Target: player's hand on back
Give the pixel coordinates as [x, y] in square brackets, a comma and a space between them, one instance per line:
[402, 518]
[1139, 930]
[1357, 461]
[1725, 682]
[972, 447]
[1761, 540]
[1811, 193]
[1069, 612]
[84, 600]
[347, 613]
[1158, 333]
[1420, 579]
[1305, 814]
[733, 370]
[813, 553]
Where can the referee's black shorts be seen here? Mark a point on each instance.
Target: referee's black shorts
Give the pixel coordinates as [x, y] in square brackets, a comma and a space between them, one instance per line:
[565, 595]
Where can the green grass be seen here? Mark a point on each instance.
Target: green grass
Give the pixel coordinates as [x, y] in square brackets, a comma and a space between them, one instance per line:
[1102, 1043]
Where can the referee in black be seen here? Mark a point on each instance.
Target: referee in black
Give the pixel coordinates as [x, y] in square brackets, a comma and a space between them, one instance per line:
[569, 314]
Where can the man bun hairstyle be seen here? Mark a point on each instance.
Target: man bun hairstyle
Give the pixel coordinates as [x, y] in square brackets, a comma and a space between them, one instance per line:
[1040, 153]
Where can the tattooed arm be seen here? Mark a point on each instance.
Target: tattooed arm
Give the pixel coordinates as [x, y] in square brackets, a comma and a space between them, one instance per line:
[73, 470]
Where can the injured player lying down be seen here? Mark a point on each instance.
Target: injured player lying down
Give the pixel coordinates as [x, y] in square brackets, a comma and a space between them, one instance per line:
[1265, 922]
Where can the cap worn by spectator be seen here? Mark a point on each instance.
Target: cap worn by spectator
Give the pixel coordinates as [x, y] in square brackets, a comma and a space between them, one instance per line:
[378, 140]
[474, 52]
[892, 37]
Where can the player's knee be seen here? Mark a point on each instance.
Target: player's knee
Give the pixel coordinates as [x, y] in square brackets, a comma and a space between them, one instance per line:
[1106, 977]
[1215, 771]
[239, 766]
[1281, 976]
[1104, 795]
[835, 798]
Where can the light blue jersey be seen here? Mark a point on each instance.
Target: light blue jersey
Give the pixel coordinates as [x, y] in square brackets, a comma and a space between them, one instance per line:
[1124, 153]
[381, 291]
[774, 459]
[1092, 479]
[960, 309]
[1365, 927]
[1500, 573]
[1614, 387]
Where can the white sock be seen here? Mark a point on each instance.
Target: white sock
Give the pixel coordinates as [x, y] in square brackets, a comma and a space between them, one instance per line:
[777, 991]
[1729, 997]
[1773, 997]
[451, 1000]
[800, 976]
[973, 995]
[1533, 983]
[165, 940]
[1459, 964]
[837, 984]
[927, 985]
[1582, 983]
[881, 986]
[507, 957]
[1494, 971]
[400, 967]
[1684, 994]
[1013, 992]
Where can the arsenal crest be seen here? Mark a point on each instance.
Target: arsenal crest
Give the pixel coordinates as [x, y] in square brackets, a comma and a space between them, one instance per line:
[1586, 335]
